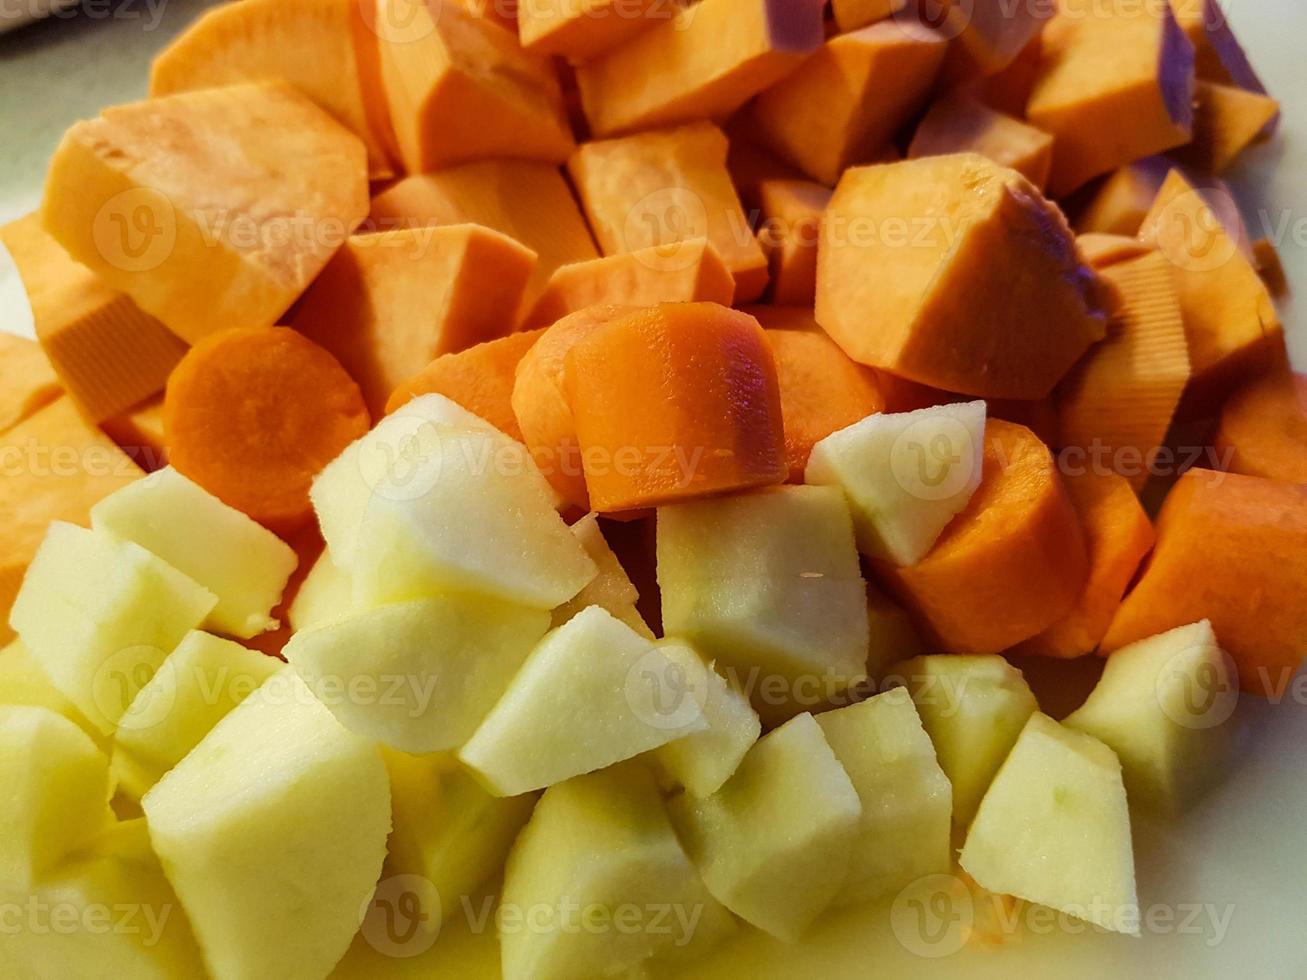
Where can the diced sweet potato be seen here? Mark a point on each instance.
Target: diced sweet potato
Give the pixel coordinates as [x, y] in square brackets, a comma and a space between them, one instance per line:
[1119, 400]
[1113, 86]
[208, 208]
[791, 211]
[1124, 199]
[583, 29]
[843, 104]
[666, 188]
[390, 302]
[325, 48]
[1231, 549]
[460, 88]
[1101, 250]
[1227, 120]
[108, 354]
[915, 275]
[502, 13]
[1218, 55]
[139, 433]
[988, 35]
[27, 381]
[852, 14]
[750, 163]
[1263, 430]
[524, 199]
[691, 272]
[1009, 90]
[704, 63]
[958, 123]
[1267, 259]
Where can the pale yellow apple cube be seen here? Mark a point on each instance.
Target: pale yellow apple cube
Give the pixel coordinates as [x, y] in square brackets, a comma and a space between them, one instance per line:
[24, 682]
[325, 594]
[611, 588]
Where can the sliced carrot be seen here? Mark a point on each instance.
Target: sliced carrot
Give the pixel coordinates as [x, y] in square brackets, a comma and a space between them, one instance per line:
[960, 123]
[673, 402]
[822, 391]
[1231, 549]
[792, 211]
[540, 401]
[1263, 430]
[1270, 268]
[1118, 535]
[1010, 565]
[1124, 199]
[1227, 120]
[27, 382]
[253, 414]
[480, 379]
[139, 433]
[692, 272]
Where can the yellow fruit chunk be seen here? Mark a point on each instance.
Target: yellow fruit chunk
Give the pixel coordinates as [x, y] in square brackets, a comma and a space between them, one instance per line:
[612, 588]
[139, 433]
[211, 208]
[958, 123]
[665, 189]
[24, 682]
[914, 276]
[525, 199]
[1227, 121]
[56, 466]
[325, 48]
[792, 211]
[693, 273]
[1119, 400]
[1121, 203]
[108, 354]
[27, 381]
[1112, 87]
[390, 302]
[843, 105]
[325, 594]
[703, 63]
[460, 88]
[583, 29]
[852, 14]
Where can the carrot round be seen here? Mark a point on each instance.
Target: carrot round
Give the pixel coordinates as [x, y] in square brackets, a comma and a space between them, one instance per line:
[1263, 429]
[480, 379]
[252, 415]
[1008, 566]
[1231, 549]
[540, 404]
[676, 401]
[822, 391]
[1118, 535]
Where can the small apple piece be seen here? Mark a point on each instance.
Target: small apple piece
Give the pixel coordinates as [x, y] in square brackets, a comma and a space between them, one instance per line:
[56, 792]
[907, 802]
[973, 709]
[326, 594]
[273, 832]
[23, 682]
[194, 689]
[242, 563]
[596, 845]
[768, 584]
[453, 654]
[905, 475]
[101, 614]
[704, 761]
[1161, 706]
[1054, 828]
[773, 844]
[581, 702]
[612, 588]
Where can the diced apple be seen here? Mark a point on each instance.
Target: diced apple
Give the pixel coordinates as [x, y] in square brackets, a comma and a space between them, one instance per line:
[702, 762]
[907, 803]
[244, 564]
[418, 676]
[773, 844]
[581, 702]
[596, 847]
[194, 689]
[768, 583]
[1161, 706]
[905, 476]
[612, 588]
[1054, 828]
[101, 614]
[24, 682]
[973, 709]
[273, 831]
[326, 594]
[56, 792]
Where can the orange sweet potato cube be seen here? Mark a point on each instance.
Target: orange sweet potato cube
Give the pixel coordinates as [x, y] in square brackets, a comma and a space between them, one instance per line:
[27, 381]
[988, 35]
[1124, 199]
[958, 123]
[852, 14]
[581, 30]
[791, 230]
[1227, 120]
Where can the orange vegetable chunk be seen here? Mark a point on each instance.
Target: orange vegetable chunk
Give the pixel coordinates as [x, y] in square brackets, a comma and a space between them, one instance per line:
[667, 188]
[139, 433]
[253, 414]
[392, 301]
[479, 378]
[210, 208]
[1263, 430]
[325, 48]
[1113, 86]
[27, 381]
[947, 271]
[583, 29]
[1227, 120]
[958, 123]
[852, 14]
[1009, 90]
[988, 35]
[843, 105]
[108, 354]
[460, 88]
[703, 63]
[1010, 565]
[1270, 268]
[1124, 199]
[822, 391]
[1118, 535]
[1218, 55]
[1231, 549]
[792, 211]
[678, 401]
